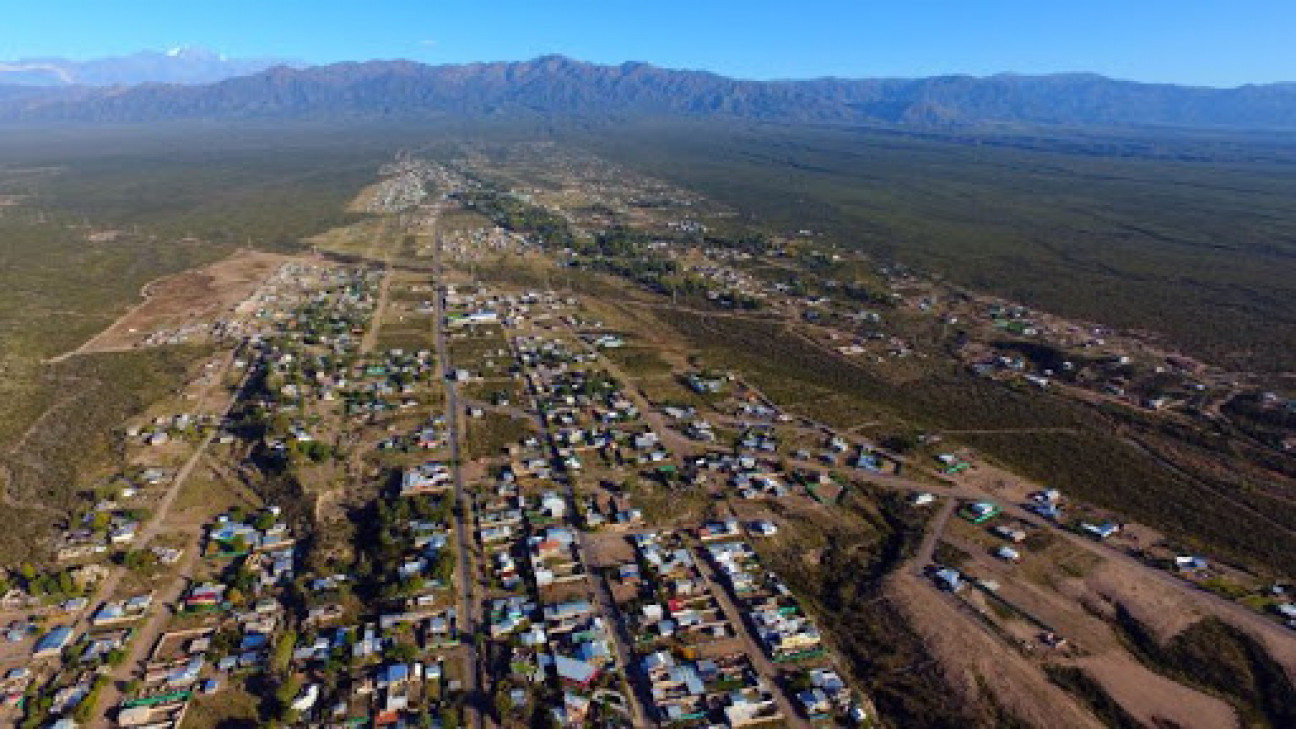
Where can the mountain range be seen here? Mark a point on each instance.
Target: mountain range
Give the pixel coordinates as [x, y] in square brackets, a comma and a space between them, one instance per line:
[555, 86]
[181, 65]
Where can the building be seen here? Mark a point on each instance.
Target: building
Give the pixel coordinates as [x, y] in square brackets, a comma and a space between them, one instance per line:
[948, 579]
[53, 642]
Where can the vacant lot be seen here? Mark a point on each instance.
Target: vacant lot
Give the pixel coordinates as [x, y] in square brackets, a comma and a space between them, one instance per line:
[193, 297]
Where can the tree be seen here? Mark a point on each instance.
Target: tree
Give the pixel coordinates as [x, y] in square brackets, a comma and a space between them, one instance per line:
[503, 704]
[85, 710]
[283, 652]
[443, 567]
[100, 521]
[285, 693]
[401, 652]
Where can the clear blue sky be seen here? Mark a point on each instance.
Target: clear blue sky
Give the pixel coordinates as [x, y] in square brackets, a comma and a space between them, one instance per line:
[1209, 42]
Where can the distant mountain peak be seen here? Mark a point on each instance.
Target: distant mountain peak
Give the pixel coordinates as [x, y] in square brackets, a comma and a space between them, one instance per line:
[195, 52]
[182, 64]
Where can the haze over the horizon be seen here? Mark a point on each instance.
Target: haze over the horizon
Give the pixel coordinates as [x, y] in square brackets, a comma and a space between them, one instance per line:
[1186, 42]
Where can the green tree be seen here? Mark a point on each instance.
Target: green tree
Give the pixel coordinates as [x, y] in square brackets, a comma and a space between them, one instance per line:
[283, 652]
[401, 652]
[285, 693]
[443, 567]
[503, 704]
[100, 521]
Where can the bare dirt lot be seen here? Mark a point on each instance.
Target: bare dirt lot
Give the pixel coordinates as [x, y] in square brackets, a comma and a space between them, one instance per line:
[1151, 697]
[189, 298]
[976, 662]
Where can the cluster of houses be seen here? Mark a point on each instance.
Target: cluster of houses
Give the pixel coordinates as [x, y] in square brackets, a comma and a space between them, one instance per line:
[471, 244]
[722, 691]
[674, 619]
[674, 601]
[784, 631]
[160, 696]
[113, 522]
[163, 428]
[749, 474]
[540, 613]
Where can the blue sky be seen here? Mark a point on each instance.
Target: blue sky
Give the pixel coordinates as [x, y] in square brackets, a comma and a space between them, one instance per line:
[1208, 42]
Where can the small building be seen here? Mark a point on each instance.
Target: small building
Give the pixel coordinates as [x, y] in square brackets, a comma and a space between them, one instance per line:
[979, 512]
[1100, 531]
[573, 671]
[1013, 535]
[53, 642]
[948, 579]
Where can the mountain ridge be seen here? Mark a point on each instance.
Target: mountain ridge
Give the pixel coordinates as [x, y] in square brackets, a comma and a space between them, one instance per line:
[559, 86]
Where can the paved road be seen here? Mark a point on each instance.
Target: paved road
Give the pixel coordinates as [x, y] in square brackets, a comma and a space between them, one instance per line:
[468, 600]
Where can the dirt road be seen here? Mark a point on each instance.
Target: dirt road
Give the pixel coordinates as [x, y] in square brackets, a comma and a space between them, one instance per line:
[164, 603]
[754, 650]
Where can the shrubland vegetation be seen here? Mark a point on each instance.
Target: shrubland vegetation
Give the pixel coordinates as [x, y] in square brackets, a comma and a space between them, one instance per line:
[1189, 235]
[169, 199]
[1089, 460]
[78, 438]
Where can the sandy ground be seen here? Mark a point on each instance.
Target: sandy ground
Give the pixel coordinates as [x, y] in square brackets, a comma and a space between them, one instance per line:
[604, 549]
[192, 297]
[1164, 611]
[973, 660]
[1149, 696]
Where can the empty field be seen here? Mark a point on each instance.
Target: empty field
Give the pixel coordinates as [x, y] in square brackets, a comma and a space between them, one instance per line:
[192, 297]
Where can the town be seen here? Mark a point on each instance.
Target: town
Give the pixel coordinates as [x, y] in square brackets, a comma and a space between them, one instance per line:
[448, 469]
